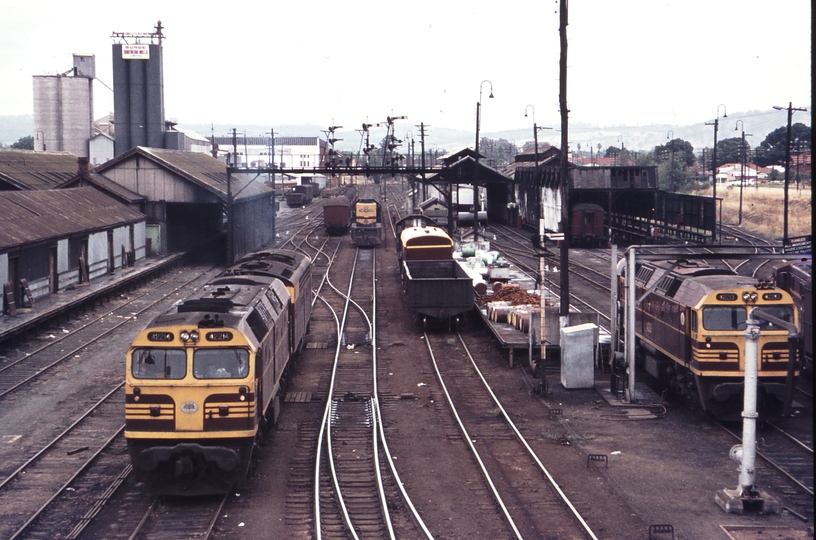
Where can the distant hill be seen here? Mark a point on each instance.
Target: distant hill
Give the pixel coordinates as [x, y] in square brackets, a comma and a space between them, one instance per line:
[636, 138]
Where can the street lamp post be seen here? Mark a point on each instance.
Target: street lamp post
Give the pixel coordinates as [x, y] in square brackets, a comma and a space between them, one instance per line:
[670, 137]
[536, 129]
[716, 125]
[476, 170]
[743, 159]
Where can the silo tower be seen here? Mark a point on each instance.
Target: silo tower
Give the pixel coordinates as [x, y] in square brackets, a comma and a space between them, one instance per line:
[63, 108]
[138, 90]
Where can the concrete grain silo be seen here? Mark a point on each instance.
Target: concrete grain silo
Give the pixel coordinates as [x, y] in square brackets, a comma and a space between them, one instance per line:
[138, 91]
[63, 108]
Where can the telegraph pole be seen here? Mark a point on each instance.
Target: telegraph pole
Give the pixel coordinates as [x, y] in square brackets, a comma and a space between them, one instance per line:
[565, 217]
[716, 125]
[790, 109]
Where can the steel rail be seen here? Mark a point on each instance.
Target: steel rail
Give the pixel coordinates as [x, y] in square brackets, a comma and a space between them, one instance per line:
[470, 444]
[770, 461]
[66, 485]
[524, 443]
[325, 423]
[71, 354]
[67, 430]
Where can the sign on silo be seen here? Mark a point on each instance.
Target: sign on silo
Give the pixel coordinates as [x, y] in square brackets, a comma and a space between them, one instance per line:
[135, 52]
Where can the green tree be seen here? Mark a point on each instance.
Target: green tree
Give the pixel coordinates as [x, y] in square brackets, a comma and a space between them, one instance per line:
[729, 151]
[683, 151]
[24, 143]
[772, 150]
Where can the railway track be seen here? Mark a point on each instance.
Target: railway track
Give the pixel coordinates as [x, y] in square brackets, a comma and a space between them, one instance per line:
[788, 452]
[26, 367]
[45, 488]
[357, 491]
[529, 499]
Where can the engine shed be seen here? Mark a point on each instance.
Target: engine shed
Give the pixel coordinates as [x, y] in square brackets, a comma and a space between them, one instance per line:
[463, 168]
[635, 211]
[54, 239]
[188, 196]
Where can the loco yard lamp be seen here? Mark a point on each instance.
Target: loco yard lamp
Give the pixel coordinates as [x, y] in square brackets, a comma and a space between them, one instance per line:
[476, 170]
[716, 124]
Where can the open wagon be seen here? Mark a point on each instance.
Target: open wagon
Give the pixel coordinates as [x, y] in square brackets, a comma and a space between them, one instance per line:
[437, 289]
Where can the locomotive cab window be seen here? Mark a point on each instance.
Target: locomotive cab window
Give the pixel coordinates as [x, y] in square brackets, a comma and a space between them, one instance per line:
[724, 318]
[220, 363]
[780, 312]
[159, 363]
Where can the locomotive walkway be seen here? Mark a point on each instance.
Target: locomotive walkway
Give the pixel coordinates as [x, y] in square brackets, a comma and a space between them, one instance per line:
[66, 301]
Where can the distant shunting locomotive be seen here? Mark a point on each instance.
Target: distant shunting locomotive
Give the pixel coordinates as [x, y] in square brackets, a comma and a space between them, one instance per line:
[367, 227]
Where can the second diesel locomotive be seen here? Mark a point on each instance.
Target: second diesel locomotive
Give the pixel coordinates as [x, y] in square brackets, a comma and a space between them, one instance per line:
[797, 279]
[204, 379]
[690, 324]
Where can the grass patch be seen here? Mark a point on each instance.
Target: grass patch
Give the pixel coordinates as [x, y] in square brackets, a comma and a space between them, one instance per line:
[762, 209]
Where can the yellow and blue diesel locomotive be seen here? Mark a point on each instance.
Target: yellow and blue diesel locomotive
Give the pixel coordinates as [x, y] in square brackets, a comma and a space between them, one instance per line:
[690, 330]
[204, 378]
[367, 228]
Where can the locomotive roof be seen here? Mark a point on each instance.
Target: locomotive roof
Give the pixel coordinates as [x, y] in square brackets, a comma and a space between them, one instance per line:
[425, 236]
[337, 200]
[222, 306]
[280, 263]
[690, 288]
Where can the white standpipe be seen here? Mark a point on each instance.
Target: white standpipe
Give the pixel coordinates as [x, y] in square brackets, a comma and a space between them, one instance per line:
[749, 413]
[630, 324]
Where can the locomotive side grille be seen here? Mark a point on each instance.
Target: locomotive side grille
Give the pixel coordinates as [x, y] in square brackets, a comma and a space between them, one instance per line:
[150, 415]
[225, 412]
[718, 357]
[774, 357]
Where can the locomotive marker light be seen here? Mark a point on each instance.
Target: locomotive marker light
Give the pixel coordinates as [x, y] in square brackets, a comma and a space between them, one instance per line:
[747, 497]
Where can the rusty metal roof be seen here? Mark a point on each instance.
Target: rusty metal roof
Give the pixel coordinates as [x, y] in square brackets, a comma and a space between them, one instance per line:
[201, 169]
[106, 185]
[30, 217]
[27, 169]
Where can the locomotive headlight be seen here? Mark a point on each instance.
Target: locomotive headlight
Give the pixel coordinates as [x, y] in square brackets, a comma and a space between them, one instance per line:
[184, 336]
[749, 296]
[243, 390]
[708, 342]
[194, 335]
[136, 392]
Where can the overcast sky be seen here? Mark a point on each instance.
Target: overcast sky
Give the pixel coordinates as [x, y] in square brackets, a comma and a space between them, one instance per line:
[344, 63]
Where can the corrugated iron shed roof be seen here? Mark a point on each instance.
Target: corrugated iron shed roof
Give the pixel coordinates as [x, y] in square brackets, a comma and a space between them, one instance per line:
[27, 169]
[28, 217]
[107, 185]
[200, 169]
